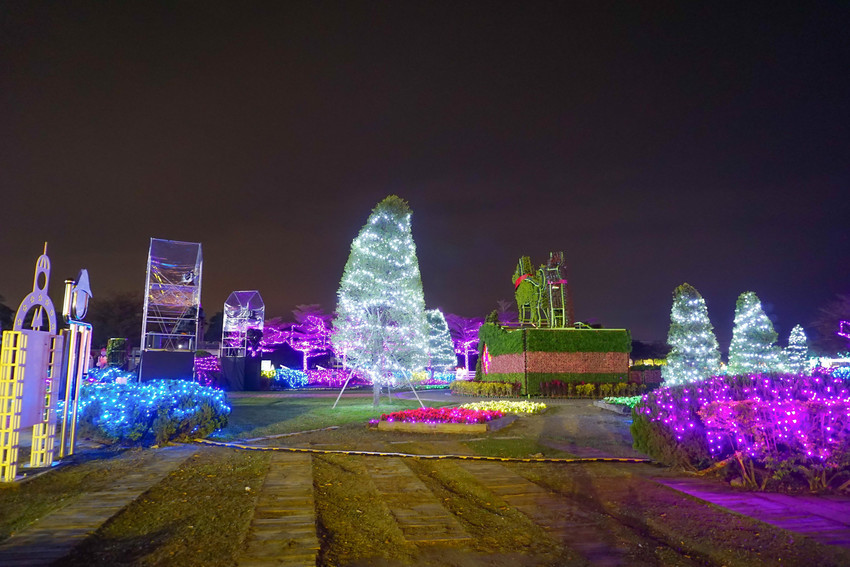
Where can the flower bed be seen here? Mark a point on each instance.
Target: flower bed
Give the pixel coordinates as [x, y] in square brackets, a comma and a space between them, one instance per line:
[443, 420]
[507, 406]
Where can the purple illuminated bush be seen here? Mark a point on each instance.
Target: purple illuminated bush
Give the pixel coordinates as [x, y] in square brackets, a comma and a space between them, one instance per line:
[781, 430]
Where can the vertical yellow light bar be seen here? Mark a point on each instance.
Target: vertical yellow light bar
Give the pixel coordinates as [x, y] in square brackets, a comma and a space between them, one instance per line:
[71, 372]
[82, 368]
[44, 433]
[12, 360]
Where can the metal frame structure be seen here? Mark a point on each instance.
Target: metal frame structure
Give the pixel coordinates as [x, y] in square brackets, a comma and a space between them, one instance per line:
[243, 311]
[172, 296]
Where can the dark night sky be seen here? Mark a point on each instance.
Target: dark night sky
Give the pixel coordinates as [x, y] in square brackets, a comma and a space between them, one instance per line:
[655, 143]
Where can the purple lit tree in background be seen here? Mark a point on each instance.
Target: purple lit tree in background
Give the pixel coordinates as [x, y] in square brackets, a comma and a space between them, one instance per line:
[464, 331]
[311, 332]
[275, 332]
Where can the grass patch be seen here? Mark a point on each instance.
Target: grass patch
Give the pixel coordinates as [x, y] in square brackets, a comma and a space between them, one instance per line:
[516, 448]
[354, 523]
[260, 417]
[198, 515]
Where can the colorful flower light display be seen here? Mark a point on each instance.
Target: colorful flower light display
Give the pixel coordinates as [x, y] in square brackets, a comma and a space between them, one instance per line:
[505, 406]
[768, 419]
[442, 415]
[110, 374]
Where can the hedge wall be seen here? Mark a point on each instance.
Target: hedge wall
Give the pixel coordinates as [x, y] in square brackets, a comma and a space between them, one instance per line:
[501, 341]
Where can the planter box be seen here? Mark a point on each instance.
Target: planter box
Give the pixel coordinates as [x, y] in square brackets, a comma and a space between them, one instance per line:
[408, 427]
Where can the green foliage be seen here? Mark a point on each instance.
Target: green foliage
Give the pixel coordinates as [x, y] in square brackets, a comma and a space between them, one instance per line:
[485, 389]
[579, 340]
[499, 340]
[502, 341]
[661, 444]
[441, 352]
[559, 389]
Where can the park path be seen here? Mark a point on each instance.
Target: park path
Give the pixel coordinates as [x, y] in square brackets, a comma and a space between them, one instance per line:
[420, 515]
[283, 529]
[54, 536]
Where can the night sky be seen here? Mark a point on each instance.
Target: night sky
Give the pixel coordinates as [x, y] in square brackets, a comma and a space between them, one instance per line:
[655, 143]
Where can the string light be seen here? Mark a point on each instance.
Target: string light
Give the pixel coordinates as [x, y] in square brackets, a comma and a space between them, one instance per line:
[753, 348]
[380, 327]
[694, 354]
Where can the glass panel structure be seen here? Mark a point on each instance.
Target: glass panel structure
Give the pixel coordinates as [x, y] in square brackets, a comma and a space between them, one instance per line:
[243, 310]
[173, 296]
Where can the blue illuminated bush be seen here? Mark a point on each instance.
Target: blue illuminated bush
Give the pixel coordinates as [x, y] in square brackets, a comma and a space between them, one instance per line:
[290, 378]
[159, 411]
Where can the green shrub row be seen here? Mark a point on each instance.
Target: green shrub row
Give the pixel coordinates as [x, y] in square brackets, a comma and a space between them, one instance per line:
[485, 389]
[556, 388]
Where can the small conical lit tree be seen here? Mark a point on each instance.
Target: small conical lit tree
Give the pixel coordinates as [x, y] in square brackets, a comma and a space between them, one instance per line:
[797, 351]
[380, 327]
[694, 353]
[753, 348]
[441, 352]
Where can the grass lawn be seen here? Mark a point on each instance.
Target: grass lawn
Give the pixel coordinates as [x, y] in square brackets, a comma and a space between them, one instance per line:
[202, 512]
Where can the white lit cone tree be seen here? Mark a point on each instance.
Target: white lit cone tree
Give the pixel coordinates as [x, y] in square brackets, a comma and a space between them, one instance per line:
[797, 351]
[694, 353]
[753, 348]
[380, 327]
[441, 352]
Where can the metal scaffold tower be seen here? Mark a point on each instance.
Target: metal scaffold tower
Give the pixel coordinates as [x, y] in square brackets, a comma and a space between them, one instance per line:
[173, 296]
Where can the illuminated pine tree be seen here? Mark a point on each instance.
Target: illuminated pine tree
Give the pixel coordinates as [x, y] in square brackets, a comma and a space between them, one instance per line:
[753, 348]
[797, 351]
[694, 353]
[380, 327]
[441, 352]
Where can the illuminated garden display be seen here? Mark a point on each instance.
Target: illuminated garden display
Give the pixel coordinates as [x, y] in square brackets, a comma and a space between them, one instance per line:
[441, 353]
[33, 363]
[546, 348]
[753, 348]
[171, 309]
[157, 411]
[695, 354]
[380, 327]
[244, 311]
[773, 431]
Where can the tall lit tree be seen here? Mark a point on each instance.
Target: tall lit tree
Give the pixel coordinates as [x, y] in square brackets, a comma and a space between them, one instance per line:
[380, 327]
[753, 348]
[441, 352]
[797, 351]
[464, 331]
[694, 353]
